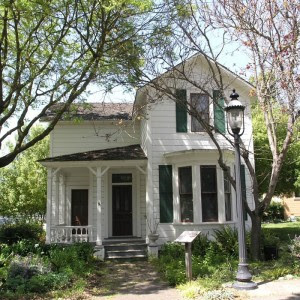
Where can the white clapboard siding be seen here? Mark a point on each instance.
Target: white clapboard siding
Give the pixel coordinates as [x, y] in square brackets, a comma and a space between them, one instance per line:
[158, 136]
[69, 138]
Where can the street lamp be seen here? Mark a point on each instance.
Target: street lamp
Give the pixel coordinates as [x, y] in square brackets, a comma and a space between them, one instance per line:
[235, 119]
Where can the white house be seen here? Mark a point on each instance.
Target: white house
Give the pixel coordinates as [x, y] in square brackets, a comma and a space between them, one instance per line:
[111, 175]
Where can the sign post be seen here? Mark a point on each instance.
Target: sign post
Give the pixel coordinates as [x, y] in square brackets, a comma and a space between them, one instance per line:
[186, 238]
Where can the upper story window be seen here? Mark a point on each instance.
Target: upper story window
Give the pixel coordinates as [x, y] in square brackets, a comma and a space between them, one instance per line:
[200, 102]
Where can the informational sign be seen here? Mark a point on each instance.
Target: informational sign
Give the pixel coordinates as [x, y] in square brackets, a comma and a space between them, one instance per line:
[187, 236]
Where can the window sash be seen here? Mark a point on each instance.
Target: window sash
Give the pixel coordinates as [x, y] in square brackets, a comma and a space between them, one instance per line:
[186, 194]
[209, 193]
[201, 104]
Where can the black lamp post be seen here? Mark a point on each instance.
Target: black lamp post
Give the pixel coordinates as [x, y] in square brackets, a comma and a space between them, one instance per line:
[235, 119]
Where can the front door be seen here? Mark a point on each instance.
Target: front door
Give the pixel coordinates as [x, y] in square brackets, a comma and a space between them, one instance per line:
[122, 210]
[79, 208]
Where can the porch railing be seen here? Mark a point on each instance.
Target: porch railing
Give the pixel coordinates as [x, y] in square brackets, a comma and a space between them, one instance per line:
[71, 234]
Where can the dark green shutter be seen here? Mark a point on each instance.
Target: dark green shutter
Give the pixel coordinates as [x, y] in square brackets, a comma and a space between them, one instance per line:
[181, 111]
[165, 194]
[243, 184]
[219, 117]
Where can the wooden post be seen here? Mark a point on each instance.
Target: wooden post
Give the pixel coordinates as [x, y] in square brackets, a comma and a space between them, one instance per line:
[188, 260]
[99, 207]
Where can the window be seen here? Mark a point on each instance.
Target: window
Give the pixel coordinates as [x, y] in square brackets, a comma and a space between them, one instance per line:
[186, 194]
[201, 103]
[227, 197]
[121, 178]
[209, 196]
[165, 194]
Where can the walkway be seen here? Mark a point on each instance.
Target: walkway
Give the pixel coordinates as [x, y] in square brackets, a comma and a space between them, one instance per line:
[130, 281]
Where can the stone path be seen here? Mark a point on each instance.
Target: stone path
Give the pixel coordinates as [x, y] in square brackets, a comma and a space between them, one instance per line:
[131, 281]
[277, 290]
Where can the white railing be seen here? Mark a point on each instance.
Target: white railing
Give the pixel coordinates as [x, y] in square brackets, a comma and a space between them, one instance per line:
[71, 234]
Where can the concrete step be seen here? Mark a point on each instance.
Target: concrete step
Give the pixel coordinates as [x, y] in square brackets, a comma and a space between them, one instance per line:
[122, 248]
[125, 246]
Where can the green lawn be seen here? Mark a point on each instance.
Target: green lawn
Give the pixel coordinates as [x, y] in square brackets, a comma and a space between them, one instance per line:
[285, 231]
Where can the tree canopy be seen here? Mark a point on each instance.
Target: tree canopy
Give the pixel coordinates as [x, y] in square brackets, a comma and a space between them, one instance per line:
[50, 51]
[23, 182]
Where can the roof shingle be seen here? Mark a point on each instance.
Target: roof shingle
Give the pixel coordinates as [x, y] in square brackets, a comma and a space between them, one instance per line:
[132, 152]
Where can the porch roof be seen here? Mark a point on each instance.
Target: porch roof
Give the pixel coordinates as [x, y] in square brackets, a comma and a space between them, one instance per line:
[132, 152]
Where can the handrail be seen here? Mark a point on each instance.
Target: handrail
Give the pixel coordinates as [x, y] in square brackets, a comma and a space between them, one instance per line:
[66, 234]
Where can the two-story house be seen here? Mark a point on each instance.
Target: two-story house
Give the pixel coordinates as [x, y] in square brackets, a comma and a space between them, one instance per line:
[112, 175]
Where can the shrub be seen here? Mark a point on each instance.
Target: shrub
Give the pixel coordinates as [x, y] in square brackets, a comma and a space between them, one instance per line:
[200, 245]
[21, 269]
[274, 213]
[76, 257]
[219, 295]
[12, 233]
[227, 240]
[295, 246]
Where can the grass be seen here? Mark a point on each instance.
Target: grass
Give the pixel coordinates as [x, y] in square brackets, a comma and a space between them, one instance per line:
[285, 231]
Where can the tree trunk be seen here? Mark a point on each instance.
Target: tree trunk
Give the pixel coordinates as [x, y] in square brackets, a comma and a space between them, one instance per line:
[256, 237]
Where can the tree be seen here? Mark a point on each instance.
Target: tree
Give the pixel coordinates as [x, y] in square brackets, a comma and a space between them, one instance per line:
[263, 157]
[23, 183]
[268, 31]
[50, 51]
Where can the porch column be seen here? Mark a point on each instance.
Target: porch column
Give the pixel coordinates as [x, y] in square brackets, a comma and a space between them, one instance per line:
[99, 207]
[55, 196]
[62, 199]
[49, 206]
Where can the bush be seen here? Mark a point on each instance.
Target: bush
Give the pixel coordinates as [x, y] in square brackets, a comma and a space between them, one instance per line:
[12, 233]
[75, 257]
[227, 240]
[295, 246]
[200, 245]
[274, 213]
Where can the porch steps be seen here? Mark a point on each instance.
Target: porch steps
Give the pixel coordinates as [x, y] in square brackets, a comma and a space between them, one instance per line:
[125, 248]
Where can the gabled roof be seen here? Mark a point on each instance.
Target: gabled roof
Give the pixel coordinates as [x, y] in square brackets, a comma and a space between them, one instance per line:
[193, 57]
[93, 111]
[132, 152]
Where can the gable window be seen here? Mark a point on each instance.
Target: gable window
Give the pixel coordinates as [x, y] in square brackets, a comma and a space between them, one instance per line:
[200, 102]
[186, 194]
[227, 197]
[209, 195]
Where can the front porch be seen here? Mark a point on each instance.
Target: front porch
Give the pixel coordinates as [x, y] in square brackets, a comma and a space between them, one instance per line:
[89, 201]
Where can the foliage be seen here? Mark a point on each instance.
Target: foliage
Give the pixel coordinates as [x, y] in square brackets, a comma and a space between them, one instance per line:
[52, 51]
[75, 257]
[46, 268]
[295, 246]
[284, 231]
[23, 182]
[18, 232]
[200, 245]
[227, 240]
[263, 156]
[219, 295]
[274, 213]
